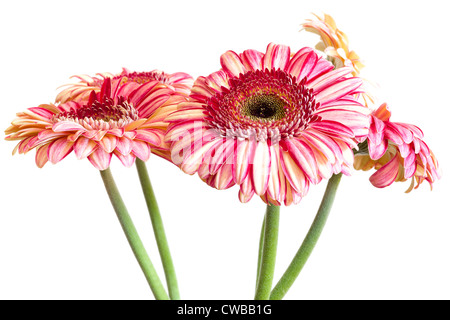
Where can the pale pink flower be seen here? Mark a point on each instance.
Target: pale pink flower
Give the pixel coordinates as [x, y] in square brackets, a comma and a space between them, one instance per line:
[125, 120]
[397, 151]
[334, 42]
[272, 123]
[180, 82]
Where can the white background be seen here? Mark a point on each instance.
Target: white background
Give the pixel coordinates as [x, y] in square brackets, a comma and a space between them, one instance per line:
[59, 236]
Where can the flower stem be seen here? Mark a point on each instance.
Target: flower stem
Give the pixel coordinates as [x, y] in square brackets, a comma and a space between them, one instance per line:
[132, 236]
[309, 242]
[260, 251]
[268, 254]
[158, 229]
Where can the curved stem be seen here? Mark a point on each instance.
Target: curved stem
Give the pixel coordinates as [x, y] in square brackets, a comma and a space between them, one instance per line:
[268, 254]
[132, 236]
[309, 242]
[158, 229]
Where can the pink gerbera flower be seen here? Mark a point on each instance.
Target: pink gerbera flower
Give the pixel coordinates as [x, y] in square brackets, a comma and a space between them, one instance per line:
[397, 151]
[121, 120]
[271, 123]
[180, 82]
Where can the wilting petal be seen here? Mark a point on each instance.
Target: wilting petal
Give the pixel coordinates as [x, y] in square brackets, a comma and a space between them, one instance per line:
[386, 175]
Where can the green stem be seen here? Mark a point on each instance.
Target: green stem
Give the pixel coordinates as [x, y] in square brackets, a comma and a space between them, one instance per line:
[309, 242]
[158, 229]
[132, 236]
[260, 251]
[268, 254]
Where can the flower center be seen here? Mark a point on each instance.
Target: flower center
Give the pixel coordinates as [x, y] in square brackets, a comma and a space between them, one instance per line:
[264, 107]
[104, 115]
[264, 104]
[144, 77]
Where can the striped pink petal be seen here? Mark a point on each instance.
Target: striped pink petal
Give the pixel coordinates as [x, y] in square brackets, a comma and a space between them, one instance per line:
[252, 60]
[276, 57]
[232, 64]
[386, 175]
[100, 159]
[59, 149]
[84, 147]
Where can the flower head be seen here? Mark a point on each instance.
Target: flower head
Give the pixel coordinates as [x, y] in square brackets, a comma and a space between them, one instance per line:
[269, 122]
[125, 120]
[334, 42]
[397, 151]
[180, 82]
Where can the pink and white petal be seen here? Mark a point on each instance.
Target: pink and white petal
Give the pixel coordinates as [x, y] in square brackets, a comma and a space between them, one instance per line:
[294, 175]
[328, 78]
[59, 149]
[252, 60]
[261, 167]
[274, 186]
[84, 147]
[333, 128]
[194, 156]
[410, 166]
[67, 126]
[223, 153]
[141, 149]
[232, 63]
[217, 80]
[302, 65]
[245, 150]
[320, 145]
[100, 159]
[246, 190]
[223, 179]
[304, 157]
[387, 174]
[376, 151]
[108, 143]
[127, 160]
[123, 146]
[43, 113]
[147, 106]
[149, 136]
[277, 57]
[338, 89]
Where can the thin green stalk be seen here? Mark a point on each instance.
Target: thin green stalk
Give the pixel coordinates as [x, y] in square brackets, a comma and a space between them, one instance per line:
[309, 242]
[260, 251]
[158, 229]
[132, 236]
[269, 252]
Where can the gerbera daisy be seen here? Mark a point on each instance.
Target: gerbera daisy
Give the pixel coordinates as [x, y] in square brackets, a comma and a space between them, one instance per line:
[334, 42]
[397, 151]
[80, 91]
[269, 122]
[124, 120]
